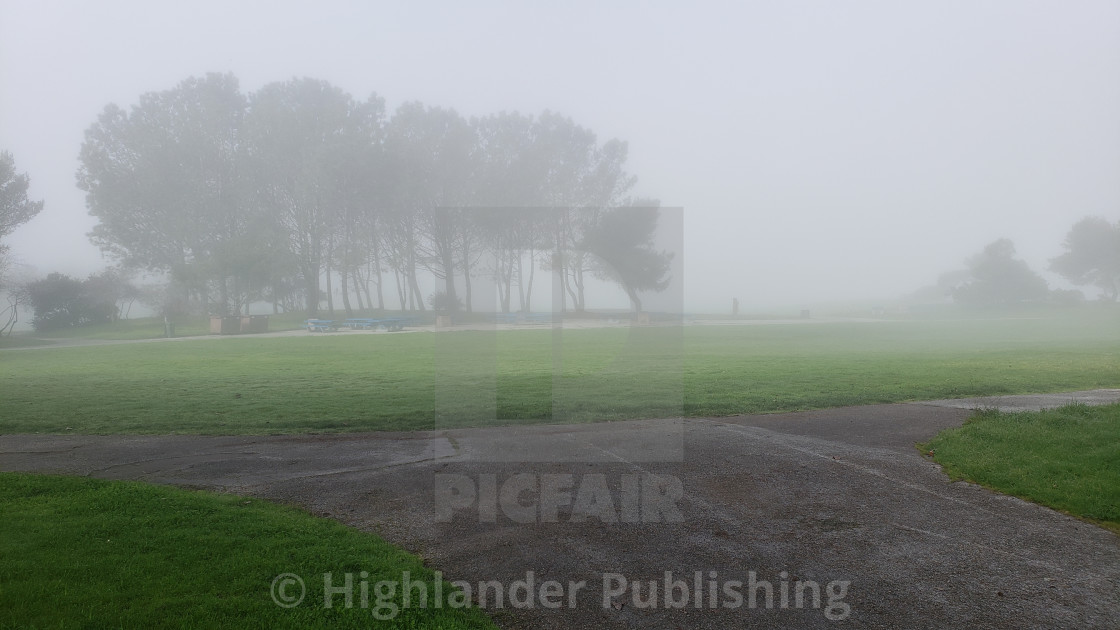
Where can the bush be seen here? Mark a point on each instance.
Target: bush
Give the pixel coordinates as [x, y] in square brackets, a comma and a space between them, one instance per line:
[60, 301]
[442, 303]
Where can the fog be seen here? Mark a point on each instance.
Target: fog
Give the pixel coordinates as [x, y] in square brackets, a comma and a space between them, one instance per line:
[820, 151]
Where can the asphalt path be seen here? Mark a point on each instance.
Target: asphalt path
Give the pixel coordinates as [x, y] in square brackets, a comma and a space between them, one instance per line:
[831, 517]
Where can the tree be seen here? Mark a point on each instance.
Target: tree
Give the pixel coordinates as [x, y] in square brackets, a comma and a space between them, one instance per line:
[1092, 256]
[15, 208]
[15, 294]
[296, 131]
[512, 169]
[298, 188]
[163, 181]
[362, 194]
[113, 286]
[579, 178]
[431, 152]
[998, 278]
[622, 243]
[60, 301]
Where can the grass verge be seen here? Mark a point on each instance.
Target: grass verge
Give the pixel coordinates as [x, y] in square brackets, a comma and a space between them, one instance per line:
[152, 328]
[21, 341]
[92, 554]
[1066, 458]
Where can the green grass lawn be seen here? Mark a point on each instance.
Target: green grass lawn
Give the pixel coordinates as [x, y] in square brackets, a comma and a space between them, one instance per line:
[83, 553]
[152, 328]
[1067, 458]
[354, 382]
[22, 341]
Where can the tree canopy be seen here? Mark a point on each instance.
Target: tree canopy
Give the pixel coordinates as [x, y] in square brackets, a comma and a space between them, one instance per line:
[1092, 256]
[622, 242]
[60, 301]
[15, 208]
[996, 277]
[288, 189]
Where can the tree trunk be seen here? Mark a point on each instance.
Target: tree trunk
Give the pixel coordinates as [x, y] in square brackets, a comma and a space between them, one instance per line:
[581, 305]
[504, 272]
[529, 287]
[311, 289]
[467, 273]
[401, 292]
[345, 292]
[416, 300]
[521, 280]
[635, 301]
[567, 276]
[358, 284]
[377, 273]
[467, 288]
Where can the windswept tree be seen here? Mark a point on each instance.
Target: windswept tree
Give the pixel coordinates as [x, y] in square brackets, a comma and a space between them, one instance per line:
[1092, 256]
[621, 241]
[15, 208]
[997, 278]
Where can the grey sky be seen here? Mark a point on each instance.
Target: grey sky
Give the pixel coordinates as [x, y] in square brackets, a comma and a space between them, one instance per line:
[820, 150]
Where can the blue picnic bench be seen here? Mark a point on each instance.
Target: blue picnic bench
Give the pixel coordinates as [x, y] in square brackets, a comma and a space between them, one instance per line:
[358, 323]
[361, 323]
[370, 323]
[321, 325]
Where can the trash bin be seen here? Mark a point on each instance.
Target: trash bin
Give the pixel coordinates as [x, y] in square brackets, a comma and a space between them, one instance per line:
[254, 324]
[224, 325]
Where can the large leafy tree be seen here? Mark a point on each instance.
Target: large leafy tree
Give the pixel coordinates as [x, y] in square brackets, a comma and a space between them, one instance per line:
[163, 180]
[246, 198]
[15, 208]
[296, 134]
[432, 165]
[363, 191]
[1092, 256]
[997, 277]
[60, 301]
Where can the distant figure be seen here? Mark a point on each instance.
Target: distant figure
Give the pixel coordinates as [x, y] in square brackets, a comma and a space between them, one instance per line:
[734, 307]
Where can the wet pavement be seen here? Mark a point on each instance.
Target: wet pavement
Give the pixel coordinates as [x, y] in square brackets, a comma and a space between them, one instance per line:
[832, 517]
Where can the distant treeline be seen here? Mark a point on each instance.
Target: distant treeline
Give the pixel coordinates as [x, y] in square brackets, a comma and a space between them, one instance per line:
[284, 194]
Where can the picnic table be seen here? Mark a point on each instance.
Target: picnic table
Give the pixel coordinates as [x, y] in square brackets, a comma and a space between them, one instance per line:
[370, 323]
[321, 325]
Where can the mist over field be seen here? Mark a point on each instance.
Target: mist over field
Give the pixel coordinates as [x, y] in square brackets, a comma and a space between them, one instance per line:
[792, 311]
[819, 152]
